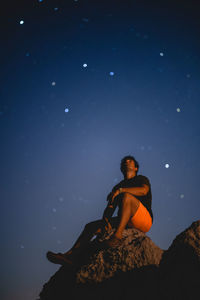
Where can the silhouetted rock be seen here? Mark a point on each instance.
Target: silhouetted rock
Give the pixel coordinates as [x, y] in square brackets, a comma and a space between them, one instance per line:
[137, 269]
[180, 266]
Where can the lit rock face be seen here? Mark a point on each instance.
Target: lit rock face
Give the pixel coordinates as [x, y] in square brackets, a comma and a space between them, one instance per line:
[108, 273]
[137, 251]
[138, 269]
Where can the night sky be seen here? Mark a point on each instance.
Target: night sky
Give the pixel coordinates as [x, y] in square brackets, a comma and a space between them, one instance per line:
[84, 83]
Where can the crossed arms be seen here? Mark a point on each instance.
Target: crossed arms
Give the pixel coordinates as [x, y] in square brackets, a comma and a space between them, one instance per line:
[109, 210]
[136, 191]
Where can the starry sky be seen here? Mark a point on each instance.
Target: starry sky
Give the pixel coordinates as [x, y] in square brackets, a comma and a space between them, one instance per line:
[84, 83]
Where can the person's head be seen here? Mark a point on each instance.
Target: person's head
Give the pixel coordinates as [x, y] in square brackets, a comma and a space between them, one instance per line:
[125, 160]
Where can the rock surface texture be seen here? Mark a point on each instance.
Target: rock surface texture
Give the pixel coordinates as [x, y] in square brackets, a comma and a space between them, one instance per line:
[137, 269]
[137, 251]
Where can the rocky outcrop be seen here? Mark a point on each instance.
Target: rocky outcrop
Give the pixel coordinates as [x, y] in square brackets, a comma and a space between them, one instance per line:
[137, 251]
[137, 269]
[180, 266]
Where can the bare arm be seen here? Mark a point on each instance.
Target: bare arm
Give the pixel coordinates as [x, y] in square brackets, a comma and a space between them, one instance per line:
[136, 191]
[109, 210]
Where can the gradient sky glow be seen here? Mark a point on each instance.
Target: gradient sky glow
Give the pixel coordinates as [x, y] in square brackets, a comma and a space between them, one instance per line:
[84, 83]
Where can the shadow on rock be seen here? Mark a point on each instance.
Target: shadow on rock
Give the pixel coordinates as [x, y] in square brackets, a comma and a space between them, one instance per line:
[137, 269]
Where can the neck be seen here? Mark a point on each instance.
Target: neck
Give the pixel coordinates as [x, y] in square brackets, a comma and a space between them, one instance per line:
[129, 175]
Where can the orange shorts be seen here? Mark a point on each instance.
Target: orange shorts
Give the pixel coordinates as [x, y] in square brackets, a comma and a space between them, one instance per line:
[141, 220]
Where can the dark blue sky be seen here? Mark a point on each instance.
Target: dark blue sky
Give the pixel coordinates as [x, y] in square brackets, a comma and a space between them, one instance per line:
[138, 95]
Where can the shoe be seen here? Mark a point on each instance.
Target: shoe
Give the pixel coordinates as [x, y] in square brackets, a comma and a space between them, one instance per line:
[114, 242]
[58, 258]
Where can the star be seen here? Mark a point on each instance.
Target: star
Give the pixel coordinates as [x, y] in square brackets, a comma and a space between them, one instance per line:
[166, 166]
[112, 73]
[161, 54]
[84, 65]
[66, 110]
[21, 22]
[178, 109]
[53, 83]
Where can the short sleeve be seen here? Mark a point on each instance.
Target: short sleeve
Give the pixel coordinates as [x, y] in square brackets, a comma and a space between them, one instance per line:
[143, 180]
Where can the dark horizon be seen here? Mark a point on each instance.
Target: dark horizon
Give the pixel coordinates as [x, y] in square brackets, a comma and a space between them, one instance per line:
[84, 83]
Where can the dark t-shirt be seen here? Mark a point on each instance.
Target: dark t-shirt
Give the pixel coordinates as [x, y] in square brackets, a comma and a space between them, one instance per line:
[136, 181]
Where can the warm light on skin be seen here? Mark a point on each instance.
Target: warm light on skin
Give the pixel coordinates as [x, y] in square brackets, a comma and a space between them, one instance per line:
[130, 170]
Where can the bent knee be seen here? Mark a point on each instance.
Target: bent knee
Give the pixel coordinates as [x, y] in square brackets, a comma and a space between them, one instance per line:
[88, 226]
[93, 225]
[130, 198]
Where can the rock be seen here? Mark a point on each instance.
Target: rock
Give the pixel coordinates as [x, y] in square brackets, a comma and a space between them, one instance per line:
[137, 269]
[106, 272]
[180, 266]
[137, 251]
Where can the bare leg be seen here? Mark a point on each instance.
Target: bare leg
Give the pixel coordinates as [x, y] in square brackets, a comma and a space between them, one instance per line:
[130, 205]
[91, 229]
[71, 256]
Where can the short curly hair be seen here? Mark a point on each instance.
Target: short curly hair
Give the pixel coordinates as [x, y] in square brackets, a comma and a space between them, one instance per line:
[123, 162]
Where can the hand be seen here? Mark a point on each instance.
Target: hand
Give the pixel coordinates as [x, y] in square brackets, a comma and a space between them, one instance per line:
[114, 194]
[110, 195]
[108, 226]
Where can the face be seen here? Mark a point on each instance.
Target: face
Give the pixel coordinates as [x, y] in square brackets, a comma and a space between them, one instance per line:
[130, 165]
